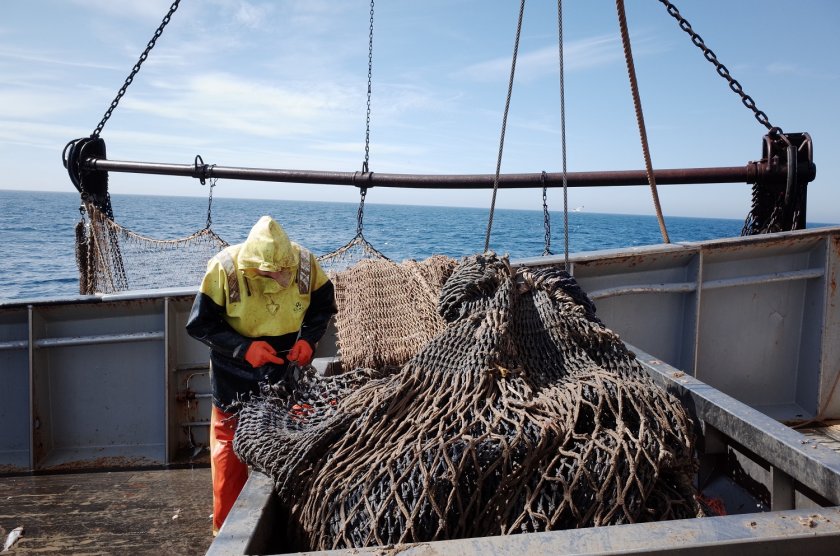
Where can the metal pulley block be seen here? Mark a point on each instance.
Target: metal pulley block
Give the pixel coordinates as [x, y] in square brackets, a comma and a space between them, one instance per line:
[790, 160]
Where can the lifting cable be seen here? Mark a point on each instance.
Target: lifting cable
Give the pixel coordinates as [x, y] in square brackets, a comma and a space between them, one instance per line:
[504, 125]
[562, 138]
[640, 119]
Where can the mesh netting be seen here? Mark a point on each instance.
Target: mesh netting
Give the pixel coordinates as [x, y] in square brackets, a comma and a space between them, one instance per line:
[770, 213]
[349, 255]
[525, 413]
[112, 258]
[387, 311]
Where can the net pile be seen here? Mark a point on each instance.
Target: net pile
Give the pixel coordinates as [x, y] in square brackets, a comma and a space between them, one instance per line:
[387, 311]
[525, 413]
[112, 258]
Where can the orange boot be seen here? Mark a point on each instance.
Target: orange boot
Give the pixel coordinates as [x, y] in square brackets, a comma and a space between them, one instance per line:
[229, 473]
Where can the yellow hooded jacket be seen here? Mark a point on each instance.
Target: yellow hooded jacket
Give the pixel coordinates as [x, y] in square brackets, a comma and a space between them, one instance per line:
[255, 305]
[236, 306]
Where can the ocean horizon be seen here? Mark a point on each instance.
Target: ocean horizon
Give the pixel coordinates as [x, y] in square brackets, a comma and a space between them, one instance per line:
[38, 228]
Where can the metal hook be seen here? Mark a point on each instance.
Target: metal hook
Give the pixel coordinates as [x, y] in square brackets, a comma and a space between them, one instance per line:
[202, 172]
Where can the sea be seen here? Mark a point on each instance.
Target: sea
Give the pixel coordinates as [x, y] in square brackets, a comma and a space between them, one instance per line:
[37, 231]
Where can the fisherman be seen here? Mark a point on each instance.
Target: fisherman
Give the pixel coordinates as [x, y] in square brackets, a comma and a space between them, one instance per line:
[262, 304]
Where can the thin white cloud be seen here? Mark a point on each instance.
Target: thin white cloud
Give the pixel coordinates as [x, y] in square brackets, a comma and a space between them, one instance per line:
[577, 55]
[235, 103]
[358, 148]
[127, 9]
[9, 53]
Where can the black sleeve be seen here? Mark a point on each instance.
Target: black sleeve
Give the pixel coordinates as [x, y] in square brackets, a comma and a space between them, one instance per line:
[207, 325]
[321, 308]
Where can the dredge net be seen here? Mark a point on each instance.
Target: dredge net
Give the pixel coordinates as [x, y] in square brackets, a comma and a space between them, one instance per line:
[112, 258]
[387, 311]
[524, 413]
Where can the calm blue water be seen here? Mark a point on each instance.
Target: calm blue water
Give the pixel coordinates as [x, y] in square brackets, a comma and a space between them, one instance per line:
[37, 231]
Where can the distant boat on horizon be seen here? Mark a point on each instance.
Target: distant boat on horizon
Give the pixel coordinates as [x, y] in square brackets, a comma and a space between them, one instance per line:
[578, 209]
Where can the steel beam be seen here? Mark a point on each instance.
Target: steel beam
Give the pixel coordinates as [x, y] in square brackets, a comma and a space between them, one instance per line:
[749, 173]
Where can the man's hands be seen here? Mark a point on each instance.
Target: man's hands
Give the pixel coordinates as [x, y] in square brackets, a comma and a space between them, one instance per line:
[301, 353]
[259, 353]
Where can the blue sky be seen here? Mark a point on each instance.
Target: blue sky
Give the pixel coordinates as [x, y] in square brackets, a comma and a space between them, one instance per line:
[281, 84]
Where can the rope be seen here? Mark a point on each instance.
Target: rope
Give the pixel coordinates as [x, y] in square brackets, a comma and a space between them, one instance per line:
[563, 135]
[640, 119]
[504, 125]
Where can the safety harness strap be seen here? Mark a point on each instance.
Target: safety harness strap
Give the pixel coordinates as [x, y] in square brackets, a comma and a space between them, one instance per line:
[226, 261]
[304, 271]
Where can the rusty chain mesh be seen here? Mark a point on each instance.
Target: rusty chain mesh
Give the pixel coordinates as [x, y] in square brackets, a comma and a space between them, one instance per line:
[524, 413]
[112, 258]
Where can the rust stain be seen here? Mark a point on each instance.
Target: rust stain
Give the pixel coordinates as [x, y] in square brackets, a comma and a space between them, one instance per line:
[106, 462]
[10, 469]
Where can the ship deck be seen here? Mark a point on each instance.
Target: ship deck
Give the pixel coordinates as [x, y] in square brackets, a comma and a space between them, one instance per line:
[164, 511]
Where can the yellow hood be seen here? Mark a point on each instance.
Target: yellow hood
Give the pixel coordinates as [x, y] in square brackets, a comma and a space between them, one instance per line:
[267, 248]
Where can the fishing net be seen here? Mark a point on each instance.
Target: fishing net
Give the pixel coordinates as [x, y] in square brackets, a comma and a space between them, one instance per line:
[349, 255]
[387, 311]
[112, 258]
[525, 413]
[771, 213]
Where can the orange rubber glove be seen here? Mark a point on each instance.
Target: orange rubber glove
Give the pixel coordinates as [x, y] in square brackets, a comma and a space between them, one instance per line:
[259, 353]
[301, 353]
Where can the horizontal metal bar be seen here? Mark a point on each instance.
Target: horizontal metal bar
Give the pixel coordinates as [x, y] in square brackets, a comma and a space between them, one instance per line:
[104, 339]
[18, 344]
[681, 287]
[195, 424]
[197, 367]
[749, 173]
[687, 287]
[251, 528]
[807, 274]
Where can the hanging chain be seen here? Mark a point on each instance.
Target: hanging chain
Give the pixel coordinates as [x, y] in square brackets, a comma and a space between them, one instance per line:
[721, 69]
[640, 118]
[504, 125]
[563, 135]
[210, 202]
[365, 164]
[136, 68]
[546, 216]
[361, 212]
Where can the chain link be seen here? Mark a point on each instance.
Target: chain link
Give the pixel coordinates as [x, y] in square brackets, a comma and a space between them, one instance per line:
[721, 69]
[210, 203]
[366, 164]
[361, 212]
[136, 68]
[546, 216]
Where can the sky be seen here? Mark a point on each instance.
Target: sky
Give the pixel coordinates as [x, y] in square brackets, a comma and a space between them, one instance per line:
[283, 83]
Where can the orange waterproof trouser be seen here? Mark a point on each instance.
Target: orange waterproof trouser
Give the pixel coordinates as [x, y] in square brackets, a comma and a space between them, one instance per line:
[229, 473]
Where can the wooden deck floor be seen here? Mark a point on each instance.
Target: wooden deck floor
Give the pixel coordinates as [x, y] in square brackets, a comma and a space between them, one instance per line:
[121, 512]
